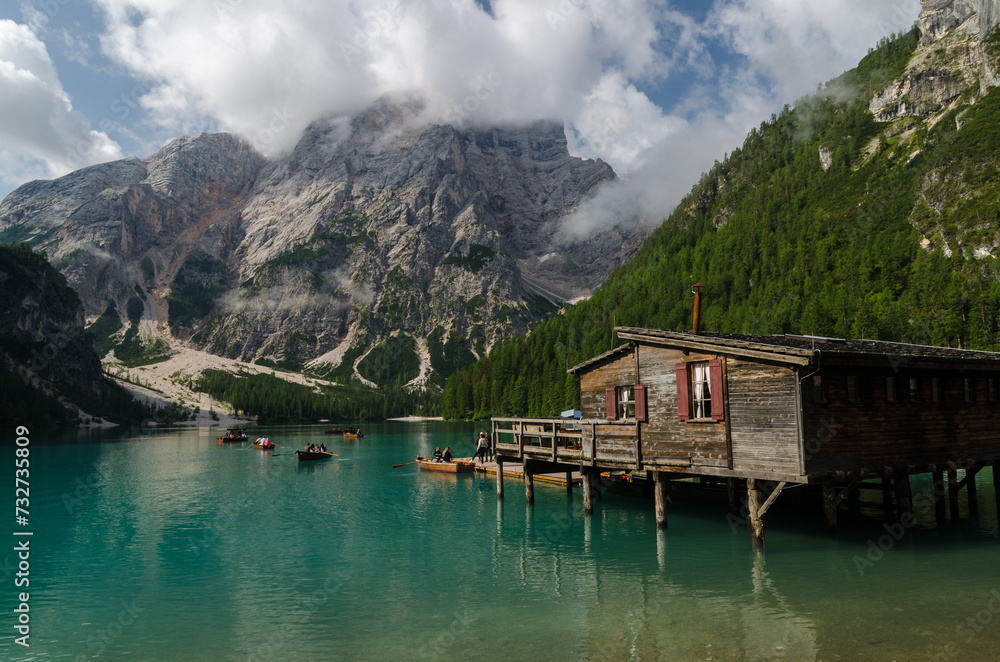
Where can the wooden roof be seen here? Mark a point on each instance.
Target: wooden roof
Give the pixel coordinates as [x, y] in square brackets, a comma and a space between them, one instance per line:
[811, 350]
[614, 353]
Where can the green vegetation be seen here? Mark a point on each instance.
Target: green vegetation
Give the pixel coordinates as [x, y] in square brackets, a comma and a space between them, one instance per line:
[104, 329]
[194, 290]
[783, 246]
[477, 258]
[447, 355]
[274, 400]
[392, 363]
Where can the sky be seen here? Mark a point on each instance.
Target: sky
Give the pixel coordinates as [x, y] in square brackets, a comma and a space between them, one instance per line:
[659, 89]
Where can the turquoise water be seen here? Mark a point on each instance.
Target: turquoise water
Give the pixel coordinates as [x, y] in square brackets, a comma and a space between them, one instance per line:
[168, 546]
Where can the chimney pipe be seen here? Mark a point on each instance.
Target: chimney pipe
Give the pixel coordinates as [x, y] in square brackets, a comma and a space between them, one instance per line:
[697, 307]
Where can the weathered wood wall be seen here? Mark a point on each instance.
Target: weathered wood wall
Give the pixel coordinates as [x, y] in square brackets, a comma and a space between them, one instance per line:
[666, 438]
[874, 433]
[762, 416]
[617, 371]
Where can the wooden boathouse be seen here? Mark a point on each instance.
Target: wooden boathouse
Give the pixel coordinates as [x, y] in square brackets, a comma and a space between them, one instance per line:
[772, 411]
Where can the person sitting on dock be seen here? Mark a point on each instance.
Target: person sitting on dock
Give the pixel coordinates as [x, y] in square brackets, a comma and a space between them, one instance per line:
[446, 456]
[438, 457]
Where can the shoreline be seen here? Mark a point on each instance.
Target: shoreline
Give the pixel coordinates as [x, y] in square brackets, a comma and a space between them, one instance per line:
[415, 419]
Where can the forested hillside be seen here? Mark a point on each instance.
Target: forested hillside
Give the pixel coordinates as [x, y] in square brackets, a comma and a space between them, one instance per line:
[824, 222]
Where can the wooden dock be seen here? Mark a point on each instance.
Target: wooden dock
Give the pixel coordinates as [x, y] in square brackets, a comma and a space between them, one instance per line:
[517, 471]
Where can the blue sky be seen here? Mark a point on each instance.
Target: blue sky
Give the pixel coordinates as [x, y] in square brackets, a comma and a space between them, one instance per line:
[657, 89]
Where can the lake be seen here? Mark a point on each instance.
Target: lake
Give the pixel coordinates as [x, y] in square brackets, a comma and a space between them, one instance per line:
[165, 545]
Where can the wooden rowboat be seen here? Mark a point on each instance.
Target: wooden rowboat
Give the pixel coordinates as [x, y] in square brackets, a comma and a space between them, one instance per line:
[305, 456]
[428, 464]
[236, 435]
[260, 447]
[352, 435]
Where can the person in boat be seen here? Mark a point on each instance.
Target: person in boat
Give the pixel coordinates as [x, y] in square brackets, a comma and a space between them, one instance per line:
[322, 448]
[446, 456]
[438, 457]
[351, 429]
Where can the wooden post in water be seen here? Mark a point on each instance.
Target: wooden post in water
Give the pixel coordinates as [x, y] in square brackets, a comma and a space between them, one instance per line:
[996, 484]
[734, 503]
[753, 505]
[529, 483]
[904, 497]
[830, 506]
[569, 484]
[588, 492]
[970, 485]
[660, 494]
[499, 478]
[886, 498]
[953, 492]
[939, 490]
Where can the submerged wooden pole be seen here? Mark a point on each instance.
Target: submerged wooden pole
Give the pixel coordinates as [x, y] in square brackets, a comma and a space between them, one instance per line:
[753, 505]
[660, 494]
[499, 478]
[734, 503]
[830, 506]
[953, 492]
[588, 492]
[970, 486]
[529, 484]
[996, 484]
[569, 483]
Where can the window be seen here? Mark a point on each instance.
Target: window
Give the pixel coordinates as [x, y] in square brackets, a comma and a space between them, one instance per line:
[914, 385]
[817, 386]
[699, 391]
[935, 389]
[969, 386]
[626, 402]
[852, 388]
[890, 389]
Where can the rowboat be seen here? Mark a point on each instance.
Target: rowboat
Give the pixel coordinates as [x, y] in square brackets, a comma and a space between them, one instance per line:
[460, 467]
[353, 435]
[305, 456]
[234, 435]
[261, 447]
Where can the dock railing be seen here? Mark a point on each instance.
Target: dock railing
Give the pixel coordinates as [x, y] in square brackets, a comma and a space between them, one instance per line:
[571, 441]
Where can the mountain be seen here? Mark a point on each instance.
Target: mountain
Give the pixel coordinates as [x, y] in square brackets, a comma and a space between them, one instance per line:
[49, 373]
[867, 210]
[380, 249]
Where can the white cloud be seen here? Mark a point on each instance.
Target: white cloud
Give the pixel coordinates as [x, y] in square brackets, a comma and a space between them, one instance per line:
[41, 135]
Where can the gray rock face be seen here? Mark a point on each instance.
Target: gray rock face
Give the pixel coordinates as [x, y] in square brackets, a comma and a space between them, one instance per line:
[371, 227]
[939, 17]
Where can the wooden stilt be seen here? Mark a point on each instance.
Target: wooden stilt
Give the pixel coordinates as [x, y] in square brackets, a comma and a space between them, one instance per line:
[996, 484]
[830, 506]
[887, 498]
[588, 492]
[939, 509]
[734, 503]
[569, 483]
[660, 494]
[529, 485]
[970, 486]
[854, 502]
[756, 523]
[499, 478]
[953, 492]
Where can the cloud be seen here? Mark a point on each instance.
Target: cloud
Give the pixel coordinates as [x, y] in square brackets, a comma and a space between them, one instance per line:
[41, 135]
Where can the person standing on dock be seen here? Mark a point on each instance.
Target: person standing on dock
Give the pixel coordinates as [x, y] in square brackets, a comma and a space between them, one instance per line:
[482, 447]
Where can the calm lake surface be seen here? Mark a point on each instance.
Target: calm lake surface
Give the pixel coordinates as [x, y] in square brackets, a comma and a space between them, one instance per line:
[168, 546]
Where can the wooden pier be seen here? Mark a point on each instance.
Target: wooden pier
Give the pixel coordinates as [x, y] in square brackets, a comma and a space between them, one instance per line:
[768, 412]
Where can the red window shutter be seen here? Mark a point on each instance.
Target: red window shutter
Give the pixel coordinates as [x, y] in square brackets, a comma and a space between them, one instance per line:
[715, 376]
[640, 402]
[612, 403]
[683, 401]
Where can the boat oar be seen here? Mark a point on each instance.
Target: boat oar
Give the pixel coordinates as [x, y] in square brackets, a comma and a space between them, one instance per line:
[396, 466]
